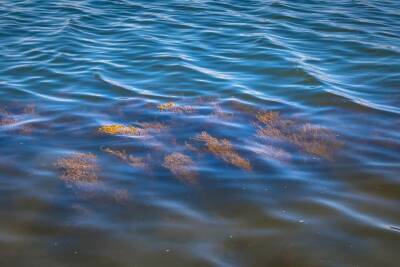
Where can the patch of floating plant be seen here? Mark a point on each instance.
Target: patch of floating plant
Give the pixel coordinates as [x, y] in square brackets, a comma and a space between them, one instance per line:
[310, 138]
[223, 149]
[173, 107]
[119, 129]
[79, 168]
[136, 162]
[181, 166]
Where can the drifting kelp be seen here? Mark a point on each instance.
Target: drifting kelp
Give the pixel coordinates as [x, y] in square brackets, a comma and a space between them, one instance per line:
[173, 107]
[119, 129]
[223, 149]
[137, 162]
[181, 166]
[79, 168]
[312, 139]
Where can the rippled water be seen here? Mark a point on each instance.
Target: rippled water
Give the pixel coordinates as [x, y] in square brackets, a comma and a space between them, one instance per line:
[199, 133]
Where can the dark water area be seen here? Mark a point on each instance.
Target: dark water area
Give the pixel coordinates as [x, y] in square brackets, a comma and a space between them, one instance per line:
[199, 133]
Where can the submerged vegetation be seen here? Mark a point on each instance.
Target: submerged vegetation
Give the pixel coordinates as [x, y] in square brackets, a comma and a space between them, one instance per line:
[173, 107]
[310, 138]
[118, 129]
[224, 150]
[137, 162]
[181, 166]
[79, 167]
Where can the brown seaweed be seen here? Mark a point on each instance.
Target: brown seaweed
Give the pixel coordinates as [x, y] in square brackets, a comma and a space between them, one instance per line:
[137, 162]
[79, 167]
[223, 149]
[173, 107]
[181, 166]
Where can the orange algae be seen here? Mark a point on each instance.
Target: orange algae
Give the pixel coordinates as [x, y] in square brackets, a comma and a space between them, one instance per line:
[137, 162]
[181, 166]
[173, 107]
[166, 106]
[118, 129]
[79, 167]
[224, 150]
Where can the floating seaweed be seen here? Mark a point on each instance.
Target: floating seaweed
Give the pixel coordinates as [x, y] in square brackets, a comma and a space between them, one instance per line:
[224, 150]
[267, 117]
[315, 140]
[181, 166]
[119, 129]
[79, 168]
[173, 107]
[312, 139]
[137, 162]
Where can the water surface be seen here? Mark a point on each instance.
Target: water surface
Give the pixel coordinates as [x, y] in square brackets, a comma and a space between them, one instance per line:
[240, 133]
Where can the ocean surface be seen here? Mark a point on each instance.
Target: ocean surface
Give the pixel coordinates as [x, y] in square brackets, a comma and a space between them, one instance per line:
[200, 133]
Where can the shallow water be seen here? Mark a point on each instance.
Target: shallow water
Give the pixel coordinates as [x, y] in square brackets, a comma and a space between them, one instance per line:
[149, 90]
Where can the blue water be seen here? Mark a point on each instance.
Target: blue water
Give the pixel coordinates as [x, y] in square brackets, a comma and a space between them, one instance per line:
[316, 185]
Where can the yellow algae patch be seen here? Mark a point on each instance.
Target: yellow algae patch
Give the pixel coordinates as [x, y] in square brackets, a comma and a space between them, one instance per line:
[79, 167]
[181, 166]
[118, 129]
[223, 149]
[166, 106]
[137, 162]
[173, 107]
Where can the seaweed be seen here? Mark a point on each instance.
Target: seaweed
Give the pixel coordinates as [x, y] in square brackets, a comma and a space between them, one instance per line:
[315, 140]
[223, 149]
[137, 162]
[310, 138]
[267, 117]
[119, 129]
[79, 167]
[181, 166]
[173, 107]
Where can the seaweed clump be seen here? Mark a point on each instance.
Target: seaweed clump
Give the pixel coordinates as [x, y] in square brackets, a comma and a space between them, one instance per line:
[224, 150]
[181, 166]
[310, 138]
[316, 140]
[118, 129]
[137, 162]
[79, 167]
[173, 107]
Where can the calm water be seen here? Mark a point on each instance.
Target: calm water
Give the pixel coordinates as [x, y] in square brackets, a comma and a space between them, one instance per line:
[147, 91]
